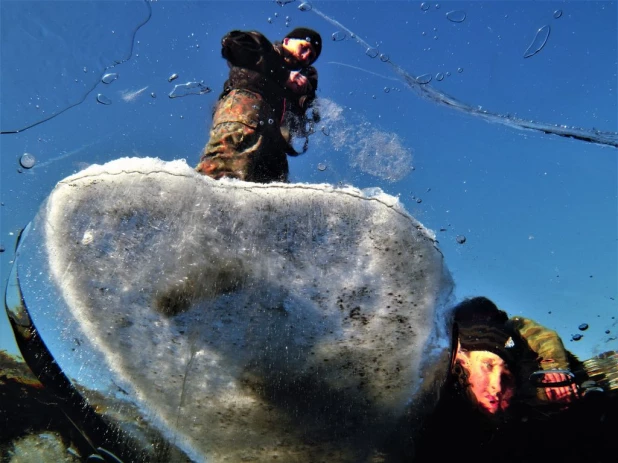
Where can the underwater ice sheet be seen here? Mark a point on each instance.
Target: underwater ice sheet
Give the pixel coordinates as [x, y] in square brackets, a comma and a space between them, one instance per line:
[241, 319]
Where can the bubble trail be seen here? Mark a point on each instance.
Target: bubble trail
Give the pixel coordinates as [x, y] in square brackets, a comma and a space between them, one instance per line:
[605, 138]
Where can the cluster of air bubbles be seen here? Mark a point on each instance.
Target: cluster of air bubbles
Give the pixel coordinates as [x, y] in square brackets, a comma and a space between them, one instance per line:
[305, 6]
[456, 16]
[173, 77]
[338, 36]
[109, 78]
[27, 161]
[461, 239]
[321, 167]
[103, 99]
[372, 52]
[287, 21]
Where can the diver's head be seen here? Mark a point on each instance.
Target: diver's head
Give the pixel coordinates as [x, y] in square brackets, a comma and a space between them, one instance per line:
[302, 46]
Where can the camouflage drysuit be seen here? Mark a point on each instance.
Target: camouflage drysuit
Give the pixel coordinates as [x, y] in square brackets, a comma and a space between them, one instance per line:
[245, 139]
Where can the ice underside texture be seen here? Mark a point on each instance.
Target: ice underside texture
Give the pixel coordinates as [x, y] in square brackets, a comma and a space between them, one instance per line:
[249, 320]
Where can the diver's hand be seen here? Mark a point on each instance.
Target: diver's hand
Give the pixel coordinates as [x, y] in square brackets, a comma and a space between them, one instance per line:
[297, 82]
[562, 394]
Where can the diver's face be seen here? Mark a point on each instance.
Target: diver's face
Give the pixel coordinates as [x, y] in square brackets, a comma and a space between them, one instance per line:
[300, 50]
[491, 381]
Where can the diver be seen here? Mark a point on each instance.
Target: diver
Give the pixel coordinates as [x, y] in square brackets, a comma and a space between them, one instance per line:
[262, 92]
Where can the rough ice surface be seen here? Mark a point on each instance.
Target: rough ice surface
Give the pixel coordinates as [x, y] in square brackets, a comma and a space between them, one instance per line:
[250, 321]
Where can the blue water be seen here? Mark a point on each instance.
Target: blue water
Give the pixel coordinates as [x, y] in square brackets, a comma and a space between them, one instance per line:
[537, 210]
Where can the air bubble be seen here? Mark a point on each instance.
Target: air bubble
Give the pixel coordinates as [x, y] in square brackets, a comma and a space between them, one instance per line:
[27, 161]
[338, 36]
[384, 58]
[583, 327]
[540, 39]
[103, 99]
[325, 130]
[387, 89]
[448, 73]
[460, 70]
[461, 239]
[439, 76]
[321, 167]
[425, 6]
[456, 16]
[558, 14]
[305, 6]
[424, 79]
[576, 337]
[153, 95]
[270, 121]
[270, 20]
[172, 77]
[372, 52]
[419, 200]
[190, 88]
[109, 78]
